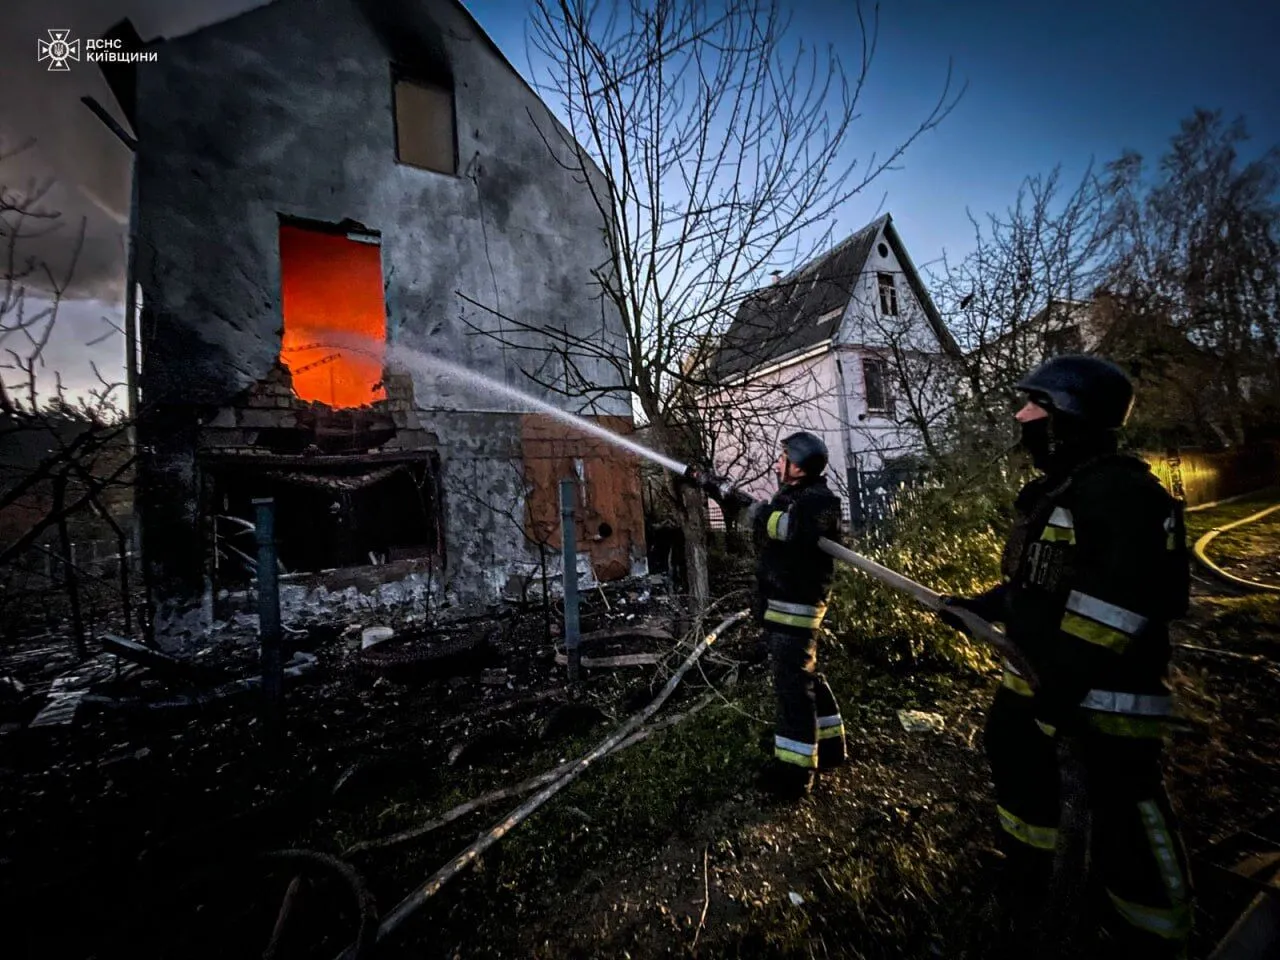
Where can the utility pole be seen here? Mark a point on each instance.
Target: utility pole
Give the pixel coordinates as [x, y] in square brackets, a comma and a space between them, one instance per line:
[130, 335]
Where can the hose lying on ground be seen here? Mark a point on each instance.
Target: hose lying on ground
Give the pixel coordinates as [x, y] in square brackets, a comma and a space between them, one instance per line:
[437, 880]
[1199, 551]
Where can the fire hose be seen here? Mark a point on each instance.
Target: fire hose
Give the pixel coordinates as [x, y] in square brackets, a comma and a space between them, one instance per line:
[723, 490]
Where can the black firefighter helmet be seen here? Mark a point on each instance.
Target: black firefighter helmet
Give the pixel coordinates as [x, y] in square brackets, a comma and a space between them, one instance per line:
[1094, 392]
[807, 452]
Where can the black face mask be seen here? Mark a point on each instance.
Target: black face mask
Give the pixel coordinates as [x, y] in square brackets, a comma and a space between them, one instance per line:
[1037, 440]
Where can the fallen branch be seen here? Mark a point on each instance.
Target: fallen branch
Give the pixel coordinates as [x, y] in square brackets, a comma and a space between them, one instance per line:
[636, 632]
[406, 907]
[1229, 654]
[621, 660]
[706, 897]
[519, 789]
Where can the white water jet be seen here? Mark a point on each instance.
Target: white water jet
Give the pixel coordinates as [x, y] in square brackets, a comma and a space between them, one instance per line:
[428, 364]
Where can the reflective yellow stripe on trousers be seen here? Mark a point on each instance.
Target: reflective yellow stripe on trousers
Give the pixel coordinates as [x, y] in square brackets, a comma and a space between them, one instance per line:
[808, 616]
[793, 751]
[1042, 838]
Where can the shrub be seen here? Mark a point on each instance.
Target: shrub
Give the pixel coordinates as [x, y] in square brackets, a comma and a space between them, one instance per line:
[947, 535]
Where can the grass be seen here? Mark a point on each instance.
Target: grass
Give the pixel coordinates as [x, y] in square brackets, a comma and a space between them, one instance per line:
[615, 864]
[1202, 521]
[1251, 543]
[638, 815]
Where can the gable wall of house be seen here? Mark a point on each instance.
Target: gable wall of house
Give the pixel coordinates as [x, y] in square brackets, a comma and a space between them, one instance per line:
[865, 324]
[287, 111]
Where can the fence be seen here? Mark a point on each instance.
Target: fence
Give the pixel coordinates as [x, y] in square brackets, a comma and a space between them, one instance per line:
[33, 588]
[873, 493]
[1205, 476]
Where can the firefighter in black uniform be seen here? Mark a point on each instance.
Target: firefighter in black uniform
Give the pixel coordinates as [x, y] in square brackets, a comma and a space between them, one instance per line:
[1093, 572]
[793, 577]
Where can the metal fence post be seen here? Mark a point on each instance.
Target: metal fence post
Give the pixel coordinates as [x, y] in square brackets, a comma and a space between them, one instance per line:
[269, 605]
[569, 550]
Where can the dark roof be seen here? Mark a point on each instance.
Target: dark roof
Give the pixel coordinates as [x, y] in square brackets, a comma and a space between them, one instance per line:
[782, 320]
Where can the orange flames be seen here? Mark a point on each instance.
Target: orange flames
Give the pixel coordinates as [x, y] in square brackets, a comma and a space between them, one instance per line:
[335, 325]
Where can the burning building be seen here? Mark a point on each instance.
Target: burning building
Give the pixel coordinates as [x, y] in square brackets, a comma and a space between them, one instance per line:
[319, 181]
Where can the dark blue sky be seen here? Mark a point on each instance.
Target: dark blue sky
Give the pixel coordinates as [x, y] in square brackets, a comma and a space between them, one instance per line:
[1086, 80]
[1048, 83]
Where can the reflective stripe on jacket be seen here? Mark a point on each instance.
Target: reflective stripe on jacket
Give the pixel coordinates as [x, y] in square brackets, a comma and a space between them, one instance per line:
[1094, 570]
[792, 574]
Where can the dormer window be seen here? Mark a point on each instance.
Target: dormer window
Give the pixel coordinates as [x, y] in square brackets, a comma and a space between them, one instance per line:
[1065, 340]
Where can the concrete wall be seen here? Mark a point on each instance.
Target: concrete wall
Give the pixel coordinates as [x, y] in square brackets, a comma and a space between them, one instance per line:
[287, 110]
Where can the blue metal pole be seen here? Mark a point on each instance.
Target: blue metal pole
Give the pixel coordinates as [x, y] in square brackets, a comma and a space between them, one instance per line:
[569, 550]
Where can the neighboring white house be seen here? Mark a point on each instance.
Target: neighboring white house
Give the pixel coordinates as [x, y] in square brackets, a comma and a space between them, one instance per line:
[850, 346]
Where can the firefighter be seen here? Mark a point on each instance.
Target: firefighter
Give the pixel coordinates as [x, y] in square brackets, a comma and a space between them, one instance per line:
[1094, 570]
[793, 577]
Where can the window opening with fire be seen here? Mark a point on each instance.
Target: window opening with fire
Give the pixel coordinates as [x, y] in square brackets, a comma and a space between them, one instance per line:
[335, 319]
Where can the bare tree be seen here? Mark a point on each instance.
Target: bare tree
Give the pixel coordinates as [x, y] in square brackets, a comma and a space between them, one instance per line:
[718, 151]
[1020, 295]
[64, 457]
[1195, 275]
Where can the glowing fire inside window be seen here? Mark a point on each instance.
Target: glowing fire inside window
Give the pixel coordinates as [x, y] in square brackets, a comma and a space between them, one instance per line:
[335, 324]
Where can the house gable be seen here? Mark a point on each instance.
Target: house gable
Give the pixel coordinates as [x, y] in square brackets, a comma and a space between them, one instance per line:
[828, 299]
[904, 314]
[797, 312]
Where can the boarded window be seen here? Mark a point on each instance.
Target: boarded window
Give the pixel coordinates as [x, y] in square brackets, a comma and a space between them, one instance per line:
[888, 294]
[876, 380]
[335, 321]
[425, 130]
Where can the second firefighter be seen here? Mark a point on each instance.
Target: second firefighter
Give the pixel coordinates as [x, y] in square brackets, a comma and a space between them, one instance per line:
[793, 577]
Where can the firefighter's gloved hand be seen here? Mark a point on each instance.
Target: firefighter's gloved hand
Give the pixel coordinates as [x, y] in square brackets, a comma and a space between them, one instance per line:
[946, 612]
[719, 489]
[988, 605]
[734, 500]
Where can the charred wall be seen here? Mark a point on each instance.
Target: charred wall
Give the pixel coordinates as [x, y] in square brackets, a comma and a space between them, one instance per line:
[286, 114]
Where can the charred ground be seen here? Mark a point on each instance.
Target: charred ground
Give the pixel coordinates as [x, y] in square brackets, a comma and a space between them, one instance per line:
[137, 831]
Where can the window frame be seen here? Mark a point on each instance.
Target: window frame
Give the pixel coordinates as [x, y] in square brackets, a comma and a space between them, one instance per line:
[400, 75]
[881, 367]
[892, 287]
[1067, 339]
